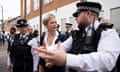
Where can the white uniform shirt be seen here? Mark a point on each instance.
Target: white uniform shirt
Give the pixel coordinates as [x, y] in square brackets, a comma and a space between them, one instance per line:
[34, 44]
[101, 61]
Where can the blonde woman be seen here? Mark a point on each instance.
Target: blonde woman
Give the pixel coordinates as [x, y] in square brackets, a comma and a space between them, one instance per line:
[51, 37]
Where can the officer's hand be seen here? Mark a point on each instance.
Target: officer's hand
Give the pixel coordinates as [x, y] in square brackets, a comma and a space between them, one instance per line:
[35, 71]
[9, 68]
[57, 57]
[41, 47]
[48, 64]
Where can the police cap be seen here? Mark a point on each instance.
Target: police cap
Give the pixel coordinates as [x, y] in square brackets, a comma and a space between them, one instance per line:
[22, 23]
[85, 6]
[68, 24]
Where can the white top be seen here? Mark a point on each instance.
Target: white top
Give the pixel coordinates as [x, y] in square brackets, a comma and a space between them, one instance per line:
[34, 44]
[52, 46]
[101, 61]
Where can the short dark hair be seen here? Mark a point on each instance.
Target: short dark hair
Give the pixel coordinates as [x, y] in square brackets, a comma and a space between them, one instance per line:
[58, 25]
[12, 28]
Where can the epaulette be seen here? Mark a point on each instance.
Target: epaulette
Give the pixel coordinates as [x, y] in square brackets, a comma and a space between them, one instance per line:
[105, 26]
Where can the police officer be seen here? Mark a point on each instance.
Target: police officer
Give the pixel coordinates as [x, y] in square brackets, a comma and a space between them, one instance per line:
[30, 30]
[10, 41]
[1, 39]
[21, 51]
[93, 48]
[11, 36]
[68, 29]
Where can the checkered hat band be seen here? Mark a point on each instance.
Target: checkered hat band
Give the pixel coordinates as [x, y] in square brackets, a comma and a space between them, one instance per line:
[89, 8]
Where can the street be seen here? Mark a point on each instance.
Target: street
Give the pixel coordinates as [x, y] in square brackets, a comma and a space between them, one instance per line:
[3, 58]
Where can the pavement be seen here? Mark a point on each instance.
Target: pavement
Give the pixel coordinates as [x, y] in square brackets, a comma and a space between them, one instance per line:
[3, 58]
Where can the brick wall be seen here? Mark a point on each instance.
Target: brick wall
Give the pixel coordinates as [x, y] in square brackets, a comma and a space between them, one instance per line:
[51, 6]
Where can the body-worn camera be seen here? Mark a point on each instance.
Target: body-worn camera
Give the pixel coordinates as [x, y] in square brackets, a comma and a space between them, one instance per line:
[23, 40]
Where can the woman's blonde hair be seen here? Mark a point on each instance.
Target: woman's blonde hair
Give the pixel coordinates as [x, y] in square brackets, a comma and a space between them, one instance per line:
[47, 18]
[105, 21]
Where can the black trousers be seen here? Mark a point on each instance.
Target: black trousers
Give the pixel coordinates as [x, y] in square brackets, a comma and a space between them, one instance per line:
[23, 66]
[71, 70]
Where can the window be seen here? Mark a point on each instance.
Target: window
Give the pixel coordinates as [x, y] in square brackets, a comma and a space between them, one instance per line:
[63, 21]
[28, 6]
[47, 1]
[73, 21]
[36, 4]
[33, 26]
[23, 8]
[115, 17]
[101, 14]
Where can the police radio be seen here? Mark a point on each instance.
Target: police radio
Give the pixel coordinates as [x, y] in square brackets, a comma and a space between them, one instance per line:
[89, 39]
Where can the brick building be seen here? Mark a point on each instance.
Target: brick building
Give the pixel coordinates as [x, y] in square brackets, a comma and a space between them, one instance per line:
[30, 9]
[63, 9]
[10, 22]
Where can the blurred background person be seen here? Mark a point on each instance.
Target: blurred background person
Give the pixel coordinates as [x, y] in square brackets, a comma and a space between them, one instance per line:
[34, 42]
[58, 26]
[102, 20]
[35, 33]
[10, 39]
[30, 30]
[2, 39]
[68, 29]
[11, 36]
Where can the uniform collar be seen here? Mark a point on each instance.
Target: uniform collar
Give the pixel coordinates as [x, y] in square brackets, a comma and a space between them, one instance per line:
[96, 24]
[23, 35]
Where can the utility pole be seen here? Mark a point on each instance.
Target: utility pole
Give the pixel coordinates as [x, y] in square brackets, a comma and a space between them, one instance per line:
[2, 27]
[24, 9]
[83, 0]
[41, 16]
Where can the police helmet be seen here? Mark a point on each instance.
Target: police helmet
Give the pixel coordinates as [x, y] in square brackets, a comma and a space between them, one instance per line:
[22, 23]
[88, 6]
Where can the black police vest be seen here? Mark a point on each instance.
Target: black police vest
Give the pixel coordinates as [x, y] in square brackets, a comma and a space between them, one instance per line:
[83, 44]
[20, 48]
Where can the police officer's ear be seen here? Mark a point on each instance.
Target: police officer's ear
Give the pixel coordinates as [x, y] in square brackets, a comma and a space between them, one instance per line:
[88, 13]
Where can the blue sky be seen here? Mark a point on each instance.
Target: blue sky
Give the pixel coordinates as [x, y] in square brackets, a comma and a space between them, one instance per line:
[11, 8]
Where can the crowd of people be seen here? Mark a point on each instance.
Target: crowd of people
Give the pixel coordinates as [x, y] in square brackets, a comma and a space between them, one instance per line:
[94, 47]
[2, 39]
